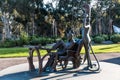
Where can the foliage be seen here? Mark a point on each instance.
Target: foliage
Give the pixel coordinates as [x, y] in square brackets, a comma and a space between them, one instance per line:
[106, 37]
[24, 38]
[115, 38]
[8, 43]
[98, 39]
[19, 42]
[41, 40]
[33, 40]
[67, 13]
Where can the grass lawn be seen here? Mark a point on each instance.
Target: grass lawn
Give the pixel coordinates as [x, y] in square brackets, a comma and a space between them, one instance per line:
[23, 52]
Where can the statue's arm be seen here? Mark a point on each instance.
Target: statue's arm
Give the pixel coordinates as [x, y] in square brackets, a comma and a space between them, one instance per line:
[71, 45]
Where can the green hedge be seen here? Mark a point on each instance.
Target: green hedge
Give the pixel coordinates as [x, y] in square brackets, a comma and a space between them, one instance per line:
[8, 43]
[98, 39]
[28, 41]
[115, 38]
[35, 40]
[42, 41]
[106, 37]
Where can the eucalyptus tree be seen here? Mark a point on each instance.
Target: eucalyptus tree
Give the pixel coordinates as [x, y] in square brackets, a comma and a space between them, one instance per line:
[102, 13]
[37, 17]
[102, 17]
[28, 12]
[68, 13]
[110, 15]
[20, 11]
[6, 19]
[115, 13]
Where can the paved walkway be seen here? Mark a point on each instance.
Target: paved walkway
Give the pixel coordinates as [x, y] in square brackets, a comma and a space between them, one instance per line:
[110, 65]
[107, 57]
[108, 71]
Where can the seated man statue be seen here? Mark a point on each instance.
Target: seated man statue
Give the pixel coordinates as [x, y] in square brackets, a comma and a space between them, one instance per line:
[62, 46]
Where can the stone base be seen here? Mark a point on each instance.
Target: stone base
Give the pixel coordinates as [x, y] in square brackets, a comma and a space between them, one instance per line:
[20, 72]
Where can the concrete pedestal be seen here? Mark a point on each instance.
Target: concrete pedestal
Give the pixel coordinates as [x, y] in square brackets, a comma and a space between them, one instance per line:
[20, 72]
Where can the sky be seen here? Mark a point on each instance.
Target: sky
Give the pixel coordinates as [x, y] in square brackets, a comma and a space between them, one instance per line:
[93, 2]
[47, 1]
[50, 1]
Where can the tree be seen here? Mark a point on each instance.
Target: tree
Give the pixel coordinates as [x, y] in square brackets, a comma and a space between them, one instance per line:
[103, 17]
[66, 14]
[6, 18]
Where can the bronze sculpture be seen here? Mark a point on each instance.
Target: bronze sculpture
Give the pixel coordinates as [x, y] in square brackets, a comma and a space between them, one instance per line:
[86, 38]
[71, 51]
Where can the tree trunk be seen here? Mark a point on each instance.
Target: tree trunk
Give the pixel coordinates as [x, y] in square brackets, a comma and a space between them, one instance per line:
[99, 26]
[33, 24]
[110, 29]
[33, 31]
[96, 26]
[6, 29]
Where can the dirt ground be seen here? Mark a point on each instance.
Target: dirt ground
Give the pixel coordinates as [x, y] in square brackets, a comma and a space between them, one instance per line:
[107, 57]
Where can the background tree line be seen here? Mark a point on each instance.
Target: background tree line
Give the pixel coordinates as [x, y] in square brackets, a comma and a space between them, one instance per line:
[22, 18]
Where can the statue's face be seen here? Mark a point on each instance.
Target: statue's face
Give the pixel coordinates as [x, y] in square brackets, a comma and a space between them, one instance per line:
[86, 8]
[69, 36]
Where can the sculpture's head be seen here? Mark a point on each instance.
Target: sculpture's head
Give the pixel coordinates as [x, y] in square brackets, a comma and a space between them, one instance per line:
[86, 8]
[69, 36]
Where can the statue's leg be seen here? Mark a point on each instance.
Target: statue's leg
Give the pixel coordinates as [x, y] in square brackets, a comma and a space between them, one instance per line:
[58, 44]
[55, 61]
[39, 60]
[30, 59]
[87, 54]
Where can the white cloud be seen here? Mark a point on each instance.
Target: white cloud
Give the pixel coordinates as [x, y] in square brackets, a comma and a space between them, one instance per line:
[54, 3]
[47, 1]
[93, 3]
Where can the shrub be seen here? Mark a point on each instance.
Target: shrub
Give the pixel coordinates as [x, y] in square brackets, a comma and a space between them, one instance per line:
[98, 39]
[24, 37]
[106, 37]
[46, 40]
[12, 43]
[24, 40]
[41, 40]
[19, 42]
[8, 43]
[1, 44]
[115, 38]
[35, 41]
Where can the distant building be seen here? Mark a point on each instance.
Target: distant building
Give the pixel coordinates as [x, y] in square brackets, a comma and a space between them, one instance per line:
[116, 29]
